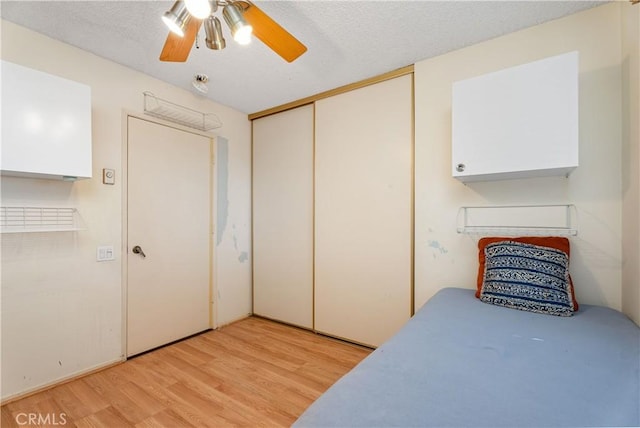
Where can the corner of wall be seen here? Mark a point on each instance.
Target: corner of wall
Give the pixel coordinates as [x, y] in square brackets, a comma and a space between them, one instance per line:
[630, 20]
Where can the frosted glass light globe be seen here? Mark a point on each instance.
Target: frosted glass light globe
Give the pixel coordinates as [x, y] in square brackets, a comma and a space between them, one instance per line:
[198, 8]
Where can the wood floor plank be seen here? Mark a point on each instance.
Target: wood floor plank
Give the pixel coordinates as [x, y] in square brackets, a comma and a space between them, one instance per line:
[249, 353]
[78, 399]
[297, 341]
[253, 387]
[252, 373]
[7, 418]
[29, 401]
[152, 369]
[165, 418]
[128, 399]
[192, 354]
[105, 418]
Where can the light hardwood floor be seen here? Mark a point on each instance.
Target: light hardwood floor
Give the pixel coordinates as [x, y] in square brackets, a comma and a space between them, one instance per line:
[251, 373]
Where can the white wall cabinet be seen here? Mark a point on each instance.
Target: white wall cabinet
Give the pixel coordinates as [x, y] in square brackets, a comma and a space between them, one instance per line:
[518, 122]
[46, 125]
[283, 216]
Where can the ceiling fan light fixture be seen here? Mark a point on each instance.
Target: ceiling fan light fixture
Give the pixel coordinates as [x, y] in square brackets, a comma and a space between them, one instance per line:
[243, 35]
[176, 18]
[213, 31]
[240, 29]
[199, 8]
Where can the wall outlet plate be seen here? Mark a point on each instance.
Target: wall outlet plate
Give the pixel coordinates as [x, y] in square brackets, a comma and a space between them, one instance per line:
[105, 253]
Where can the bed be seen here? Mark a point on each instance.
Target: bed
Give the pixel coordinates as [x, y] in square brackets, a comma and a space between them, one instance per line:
[460, 362]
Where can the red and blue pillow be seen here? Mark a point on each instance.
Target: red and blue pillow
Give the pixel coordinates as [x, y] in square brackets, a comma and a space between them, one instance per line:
[526, 273]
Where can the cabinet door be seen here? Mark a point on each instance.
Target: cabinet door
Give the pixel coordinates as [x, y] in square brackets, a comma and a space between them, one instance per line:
[283, 216]
[363, 211]
[46, 125]
[518, 122]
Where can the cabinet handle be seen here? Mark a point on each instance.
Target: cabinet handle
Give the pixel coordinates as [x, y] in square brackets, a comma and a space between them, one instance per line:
[460, 167]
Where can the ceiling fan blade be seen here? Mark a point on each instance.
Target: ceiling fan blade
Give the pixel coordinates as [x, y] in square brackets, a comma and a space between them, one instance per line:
[272, 34]
[176, 48]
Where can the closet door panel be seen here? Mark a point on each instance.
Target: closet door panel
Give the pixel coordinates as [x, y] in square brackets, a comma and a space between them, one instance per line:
[283, 216]
[363, 211]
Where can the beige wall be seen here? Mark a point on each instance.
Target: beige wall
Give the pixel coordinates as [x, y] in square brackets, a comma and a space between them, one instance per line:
[631, 161]
[445, 258]
[62, 310]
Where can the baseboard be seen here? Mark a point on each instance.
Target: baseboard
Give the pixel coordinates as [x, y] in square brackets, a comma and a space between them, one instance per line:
[61, 381]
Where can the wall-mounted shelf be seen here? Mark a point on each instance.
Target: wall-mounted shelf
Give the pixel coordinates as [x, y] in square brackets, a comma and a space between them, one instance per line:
[519, 220]
[163, 109]
[39, 219]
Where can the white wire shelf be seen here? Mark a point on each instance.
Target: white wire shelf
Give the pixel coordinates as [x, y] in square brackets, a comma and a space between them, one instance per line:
[519, 220]
[163, 109]
[39, 219]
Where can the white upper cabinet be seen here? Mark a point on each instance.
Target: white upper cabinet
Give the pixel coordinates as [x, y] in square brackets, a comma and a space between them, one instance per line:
[518, 122]
[46, 125]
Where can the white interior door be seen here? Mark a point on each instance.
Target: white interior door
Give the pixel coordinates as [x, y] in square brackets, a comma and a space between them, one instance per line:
[169, 219]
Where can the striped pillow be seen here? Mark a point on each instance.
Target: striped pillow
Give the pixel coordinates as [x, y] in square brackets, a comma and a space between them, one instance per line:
[527, 277]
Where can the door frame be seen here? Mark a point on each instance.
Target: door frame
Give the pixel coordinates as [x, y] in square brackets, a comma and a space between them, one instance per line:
[213, 303]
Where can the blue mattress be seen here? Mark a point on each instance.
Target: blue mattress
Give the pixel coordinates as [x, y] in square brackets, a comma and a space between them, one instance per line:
[463, 363]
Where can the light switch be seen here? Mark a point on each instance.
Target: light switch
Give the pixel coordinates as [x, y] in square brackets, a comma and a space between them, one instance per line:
[105, 253]
[108, 176]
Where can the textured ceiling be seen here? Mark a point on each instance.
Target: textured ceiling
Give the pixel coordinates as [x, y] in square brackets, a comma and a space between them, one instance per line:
[347, 41]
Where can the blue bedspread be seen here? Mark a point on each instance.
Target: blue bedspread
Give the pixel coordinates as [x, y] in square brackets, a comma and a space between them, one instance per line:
[463, 363]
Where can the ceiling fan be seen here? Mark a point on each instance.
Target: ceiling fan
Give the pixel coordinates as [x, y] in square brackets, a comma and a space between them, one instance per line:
[243, 18]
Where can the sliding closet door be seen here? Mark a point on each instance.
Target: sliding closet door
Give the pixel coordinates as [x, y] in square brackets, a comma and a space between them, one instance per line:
[283, 216]
[364, 226]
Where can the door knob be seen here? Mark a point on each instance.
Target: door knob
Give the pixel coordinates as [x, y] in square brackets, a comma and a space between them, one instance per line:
[138, 250]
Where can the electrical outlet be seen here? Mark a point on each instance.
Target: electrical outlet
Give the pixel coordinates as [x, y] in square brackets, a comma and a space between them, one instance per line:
[105, 253]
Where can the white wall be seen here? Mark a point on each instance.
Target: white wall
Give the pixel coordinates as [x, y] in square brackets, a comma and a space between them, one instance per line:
[233, 265]
[631, 161]
[444, 258]
[61, 310]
